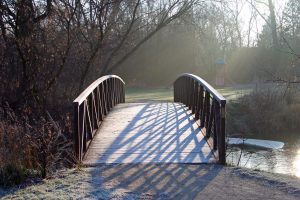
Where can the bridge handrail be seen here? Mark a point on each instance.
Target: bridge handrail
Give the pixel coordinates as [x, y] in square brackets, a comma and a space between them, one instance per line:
[83, 95]
[207, 105]
[90, 108]
[208, 87]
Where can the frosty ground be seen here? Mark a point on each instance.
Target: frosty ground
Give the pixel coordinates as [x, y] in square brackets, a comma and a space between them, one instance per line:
[160, 181]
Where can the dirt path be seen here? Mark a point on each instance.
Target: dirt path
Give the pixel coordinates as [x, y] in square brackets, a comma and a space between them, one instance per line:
[160, 181]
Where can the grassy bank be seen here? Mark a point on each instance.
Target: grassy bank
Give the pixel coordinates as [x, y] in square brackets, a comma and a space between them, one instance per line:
[159, 181]
[266, 113]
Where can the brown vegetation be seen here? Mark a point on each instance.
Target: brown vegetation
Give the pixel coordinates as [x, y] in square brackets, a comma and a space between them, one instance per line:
[266, 113]
[28, 143]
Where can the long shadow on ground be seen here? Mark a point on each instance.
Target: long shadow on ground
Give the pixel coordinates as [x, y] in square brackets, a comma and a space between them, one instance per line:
[165, 133]
[150, 133]
[158, 181]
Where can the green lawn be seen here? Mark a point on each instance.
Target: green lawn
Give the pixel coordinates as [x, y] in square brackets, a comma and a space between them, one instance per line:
[149, 94]
[232, 93]
[166, 94]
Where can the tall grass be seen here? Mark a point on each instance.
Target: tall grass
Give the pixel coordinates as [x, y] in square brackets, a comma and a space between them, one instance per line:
[266, 113]
[30, 144]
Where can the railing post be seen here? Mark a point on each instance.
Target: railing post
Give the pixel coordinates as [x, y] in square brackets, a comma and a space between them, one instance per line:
[222, 145]
[85, 126]
[81, 126]
[76, 130]
[220, 125]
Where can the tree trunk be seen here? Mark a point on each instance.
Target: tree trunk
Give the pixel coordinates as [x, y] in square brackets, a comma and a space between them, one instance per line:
[273, 25]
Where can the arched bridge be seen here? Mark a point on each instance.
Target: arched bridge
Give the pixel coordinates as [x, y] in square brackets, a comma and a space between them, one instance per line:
[189, 130]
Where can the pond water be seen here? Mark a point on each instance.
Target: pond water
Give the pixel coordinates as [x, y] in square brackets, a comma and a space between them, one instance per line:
[284, 161]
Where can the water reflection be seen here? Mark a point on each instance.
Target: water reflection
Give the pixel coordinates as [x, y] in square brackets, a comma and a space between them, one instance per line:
[284, 161]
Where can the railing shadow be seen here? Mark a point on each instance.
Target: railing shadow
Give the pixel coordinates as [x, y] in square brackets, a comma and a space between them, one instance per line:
[160, 134]
[154, 181]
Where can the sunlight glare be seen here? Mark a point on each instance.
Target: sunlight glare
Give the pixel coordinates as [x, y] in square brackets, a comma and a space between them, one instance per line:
[296, 164]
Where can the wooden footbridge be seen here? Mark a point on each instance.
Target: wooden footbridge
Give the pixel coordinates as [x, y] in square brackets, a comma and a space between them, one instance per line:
[189, 130]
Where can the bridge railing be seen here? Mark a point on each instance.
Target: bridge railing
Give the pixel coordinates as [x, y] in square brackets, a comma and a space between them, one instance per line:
[207, 105]
[91, 106]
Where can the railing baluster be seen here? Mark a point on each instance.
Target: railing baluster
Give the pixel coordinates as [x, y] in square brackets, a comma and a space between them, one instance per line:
[205, 105]
[118, 91]
[197, 112]
[193, 103]
[100, 102]
[123, 94]
[215, 136]
[190, 97]
[107, 95]
[201, 99]
[207, 111]
[113, 92]
[211, 118]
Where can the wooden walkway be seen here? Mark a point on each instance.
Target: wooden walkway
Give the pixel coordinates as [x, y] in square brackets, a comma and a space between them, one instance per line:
[149, 133]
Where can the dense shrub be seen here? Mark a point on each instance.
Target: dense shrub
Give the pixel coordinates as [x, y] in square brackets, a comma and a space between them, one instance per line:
[12, 175]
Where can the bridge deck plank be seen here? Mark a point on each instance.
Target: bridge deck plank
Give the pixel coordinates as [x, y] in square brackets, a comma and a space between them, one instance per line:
[149, 133]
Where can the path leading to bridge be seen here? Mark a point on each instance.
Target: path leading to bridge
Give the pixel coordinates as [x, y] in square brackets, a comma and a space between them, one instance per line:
[149, 133]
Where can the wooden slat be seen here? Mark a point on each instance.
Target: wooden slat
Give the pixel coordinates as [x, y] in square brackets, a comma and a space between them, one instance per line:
[149, 132]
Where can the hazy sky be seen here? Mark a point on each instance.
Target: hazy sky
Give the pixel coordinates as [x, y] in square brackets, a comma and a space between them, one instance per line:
[263, 9]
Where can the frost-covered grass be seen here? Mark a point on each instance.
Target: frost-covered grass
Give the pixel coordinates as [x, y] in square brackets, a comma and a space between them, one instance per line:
[160, 181]
[70, 184]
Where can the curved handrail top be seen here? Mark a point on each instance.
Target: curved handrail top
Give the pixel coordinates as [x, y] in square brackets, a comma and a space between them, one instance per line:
[207, 86]
[92, 86]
